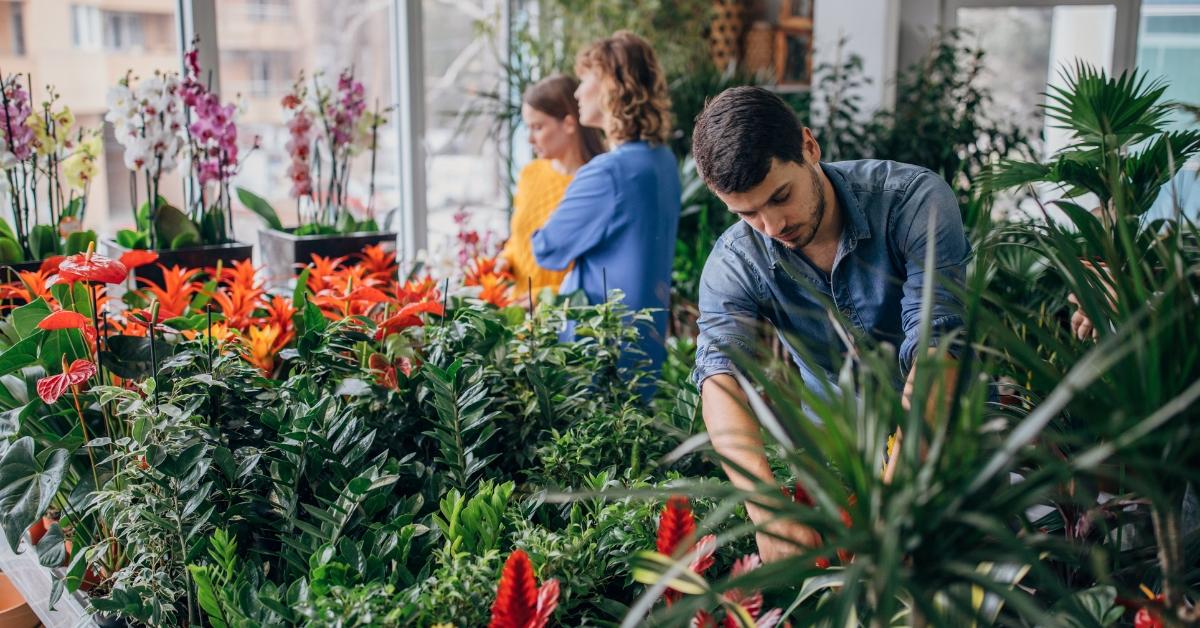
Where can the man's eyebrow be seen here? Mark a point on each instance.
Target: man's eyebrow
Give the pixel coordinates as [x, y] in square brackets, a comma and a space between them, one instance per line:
[773, 195]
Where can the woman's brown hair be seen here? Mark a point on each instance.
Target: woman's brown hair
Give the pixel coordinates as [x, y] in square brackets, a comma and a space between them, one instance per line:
[635, 94]
[555, 97]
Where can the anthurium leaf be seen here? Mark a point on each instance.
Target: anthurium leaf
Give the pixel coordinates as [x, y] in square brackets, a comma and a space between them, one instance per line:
[22, 354]
[260, 206]
[78, 242]
[25, 319]
[10, 251]
[27, 486]
[52, 549]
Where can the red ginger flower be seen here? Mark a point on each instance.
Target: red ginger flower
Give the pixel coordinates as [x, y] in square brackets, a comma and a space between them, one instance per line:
[52, 387]
[519, 602]
[676, 524]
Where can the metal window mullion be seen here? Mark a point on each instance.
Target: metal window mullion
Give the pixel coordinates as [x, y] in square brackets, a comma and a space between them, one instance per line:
[408, 85]
[198, 19]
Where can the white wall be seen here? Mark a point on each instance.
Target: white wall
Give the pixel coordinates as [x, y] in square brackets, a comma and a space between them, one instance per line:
[872, 28]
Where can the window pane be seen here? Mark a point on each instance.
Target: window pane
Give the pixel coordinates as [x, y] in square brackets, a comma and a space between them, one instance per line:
[83, 49]
[1027, 49]
[1169, 48]
[264, 46]
[465, 167]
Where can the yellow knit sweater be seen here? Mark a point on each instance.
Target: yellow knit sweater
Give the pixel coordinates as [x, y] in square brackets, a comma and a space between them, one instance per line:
[539, 189]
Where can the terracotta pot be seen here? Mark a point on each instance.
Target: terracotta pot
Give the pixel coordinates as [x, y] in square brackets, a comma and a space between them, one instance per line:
[14, 611]
[38, 530]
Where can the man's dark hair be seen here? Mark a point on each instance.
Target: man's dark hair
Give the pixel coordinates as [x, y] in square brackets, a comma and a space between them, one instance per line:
[738, 134]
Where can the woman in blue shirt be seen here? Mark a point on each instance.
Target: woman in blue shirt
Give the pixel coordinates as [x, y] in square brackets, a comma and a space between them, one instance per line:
[619, 216]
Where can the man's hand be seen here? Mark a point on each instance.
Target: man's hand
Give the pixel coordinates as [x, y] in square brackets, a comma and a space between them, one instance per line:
[784, 539]
[736, 437]
[1082, 326]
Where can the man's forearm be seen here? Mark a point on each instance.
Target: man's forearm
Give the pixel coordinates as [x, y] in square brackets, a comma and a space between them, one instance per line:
[736, 437]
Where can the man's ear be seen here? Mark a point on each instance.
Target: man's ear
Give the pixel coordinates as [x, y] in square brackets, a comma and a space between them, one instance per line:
[812, 150]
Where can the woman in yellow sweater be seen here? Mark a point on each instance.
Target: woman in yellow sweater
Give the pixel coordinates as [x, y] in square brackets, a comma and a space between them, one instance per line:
[561, 146]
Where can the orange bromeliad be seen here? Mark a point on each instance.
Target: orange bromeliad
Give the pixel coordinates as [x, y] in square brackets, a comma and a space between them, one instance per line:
[380, 264]
[261, 345]
[496, 290]
[176, 292]
[238, 303]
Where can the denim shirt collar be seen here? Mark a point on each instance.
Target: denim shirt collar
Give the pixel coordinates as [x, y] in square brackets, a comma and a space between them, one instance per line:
[856, 226]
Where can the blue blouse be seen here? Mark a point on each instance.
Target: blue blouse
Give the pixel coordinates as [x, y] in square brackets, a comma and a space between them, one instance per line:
[617, 221]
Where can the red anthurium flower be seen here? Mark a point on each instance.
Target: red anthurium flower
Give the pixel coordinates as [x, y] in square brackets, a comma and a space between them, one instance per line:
[63, 319]
[50, 264]
[519, 603]
[1146, 616]
[407, 317]
[52, 387]
[138, 258]
[92, 268]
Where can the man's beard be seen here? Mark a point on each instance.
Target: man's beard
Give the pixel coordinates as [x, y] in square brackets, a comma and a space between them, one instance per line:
[818, 213]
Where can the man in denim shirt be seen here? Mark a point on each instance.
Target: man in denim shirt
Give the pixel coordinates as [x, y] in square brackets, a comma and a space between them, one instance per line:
[851, 234]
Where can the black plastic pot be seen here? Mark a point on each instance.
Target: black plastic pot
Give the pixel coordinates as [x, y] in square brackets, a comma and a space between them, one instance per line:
[8, 272]
[190, 257]
[283, 251]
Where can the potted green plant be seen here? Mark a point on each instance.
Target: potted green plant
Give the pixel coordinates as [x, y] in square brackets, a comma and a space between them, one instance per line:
[162, 122]
[47, 165]
[328, 127]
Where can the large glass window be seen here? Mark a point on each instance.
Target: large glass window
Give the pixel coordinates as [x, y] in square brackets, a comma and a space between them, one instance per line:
[464, 159]
[82, 49]
[264, 46]
[1028, 48]
[1169, 48]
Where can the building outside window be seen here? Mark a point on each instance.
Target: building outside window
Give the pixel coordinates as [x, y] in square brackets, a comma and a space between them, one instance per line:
[123, 31]
[85, 27]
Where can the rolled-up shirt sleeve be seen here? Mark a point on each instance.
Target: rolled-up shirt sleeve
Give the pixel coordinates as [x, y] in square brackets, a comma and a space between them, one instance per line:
[935, 203]
[730, 294]
[580, 221]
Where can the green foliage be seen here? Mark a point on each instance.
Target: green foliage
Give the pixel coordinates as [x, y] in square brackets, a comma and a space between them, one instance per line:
[463, 424]
[261, 207]
[473, 526]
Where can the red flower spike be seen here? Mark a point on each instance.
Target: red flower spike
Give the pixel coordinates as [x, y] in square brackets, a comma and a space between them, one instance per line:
[821, 563]
[675, 524]
[702, 620]
[518, 600]
[704, 553]
[63, 319]
[547, 601]
[91, 268]
[52, 387]
[138, 258]
[751, 601]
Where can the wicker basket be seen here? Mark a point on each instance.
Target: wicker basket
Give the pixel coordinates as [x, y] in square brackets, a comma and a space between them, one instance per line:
[725, 34]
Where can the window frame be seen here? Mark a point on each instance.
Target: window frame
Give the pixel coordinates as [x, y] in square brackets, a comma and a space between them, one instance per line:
[1125, 35]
